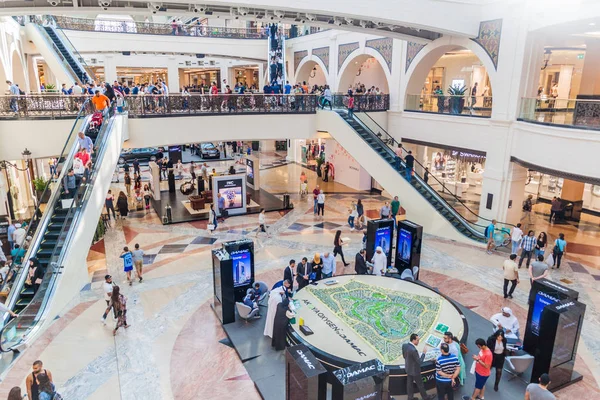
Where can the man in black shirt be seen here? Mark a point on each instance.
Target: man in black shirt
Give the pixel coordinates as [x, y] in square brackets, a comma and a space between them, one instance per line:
[410, 162]
[360, 264]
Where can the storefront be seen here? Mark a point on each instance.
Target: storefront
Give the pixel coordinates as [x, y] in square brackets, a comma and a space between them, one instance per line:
[545, 187]
[133, 75]
[452, 170]
[196, 79]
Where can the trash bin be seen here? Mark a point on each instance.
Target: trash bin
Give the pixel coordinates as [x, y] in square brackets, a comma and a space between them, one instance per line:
[286, 201]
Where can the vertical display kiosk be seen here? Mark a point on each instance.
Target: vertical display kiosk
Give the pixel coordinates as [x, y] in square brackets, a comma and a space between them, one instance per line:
[360, 381]
[380, 232]
[546, 330]
[253, 172]
[305, 376]
[409, 237]
[233, 274]
[233, 189]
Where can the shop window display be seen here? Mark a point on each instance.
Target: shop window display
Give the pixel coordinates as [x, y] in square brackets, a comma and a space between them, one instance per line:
[545, 187]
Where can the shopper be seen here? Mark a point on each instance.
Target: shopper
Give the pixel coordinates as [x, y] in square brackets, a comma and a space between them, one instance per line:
[555, 208]
[280, 324]
[316, 192]
[122, 205]
[483, 366]
[395, 207]
[385, 211]
[454, 349]
[447, 369]
[317, 266]
[147, 196]
[31, 382]
[409, 160]
[10, 231]
[539, 391]
[426, 175]
[109, 203]
[538, 269]
[321, 204]
[138, 261]
[527, 207]
[35, 274]
[350, 105]
[337, 247]
[540, 246]
[303, 272]
[527, 246]
[221, 206]
[489, 234]
[511, 274]
[290, 272]
[353, 215]
[360, 210]
[398, 156]
[360, 263]
[328, 265]
[559, 250]
[127, 263]
[107, 287]
[262, 225]
[119, 303]
[516, 236]
[46, 388]
[497, 344]
[412, 365]
[379, 262]
[127, 181]
[15, 394]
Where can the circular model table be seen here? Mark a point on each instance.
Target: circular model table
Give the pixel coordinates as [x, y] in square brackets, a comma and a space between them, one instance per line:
[362, 317]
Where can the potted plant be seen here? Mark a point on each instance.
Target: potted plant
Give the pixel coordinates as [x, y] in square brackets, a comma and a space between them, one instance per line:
[456, 102]
[51, 88]
[320, 161]
[40, 186]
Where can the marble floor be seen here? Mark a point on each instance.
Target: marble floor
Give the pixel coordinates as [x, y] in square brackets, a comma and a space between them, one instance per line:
[172, 349]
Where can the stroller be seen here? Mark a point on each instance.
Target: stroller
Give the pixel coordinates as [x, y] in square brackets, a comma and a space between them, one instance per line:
[94, 125]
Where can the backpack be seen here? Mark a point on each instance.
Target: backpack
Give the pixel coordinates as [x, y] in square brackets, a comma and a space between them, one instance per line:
[57, 396]
[487, 231]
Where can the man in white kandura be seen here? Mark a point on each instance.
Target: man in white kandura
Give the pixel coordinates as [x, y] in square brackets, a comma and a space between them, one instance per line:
[275, 297]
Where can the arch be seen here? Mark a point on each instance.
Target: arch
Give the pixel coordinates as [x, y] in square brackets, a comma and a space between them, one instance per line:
[352, 64]
[3, 74]
[430, 54]
[305, 68]
[18, 71]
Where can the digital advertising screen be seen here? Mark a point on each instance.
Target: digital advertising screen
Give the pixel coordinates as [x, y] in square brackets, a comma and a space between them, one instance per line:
[242, 267]
[405, 240]
[175, 154]
[232, 191]
[566, 338]
[250, 171]
[383, 238]
[542, 300]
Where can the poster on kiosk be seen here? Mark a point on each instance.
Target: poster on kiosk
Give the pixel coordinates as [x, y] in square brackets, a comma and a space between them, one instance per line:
[408, 247]
[233, 275]
[380, 233]
[233, 189]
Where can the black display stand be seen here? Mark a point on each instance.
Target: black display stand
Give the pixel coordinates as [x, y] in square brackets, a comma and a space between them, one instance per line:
[201, 187]
[380, 232]
[231, 262]
[409, 237]
[175, 154]
[305, 376]
[171, 180]
[360, 381]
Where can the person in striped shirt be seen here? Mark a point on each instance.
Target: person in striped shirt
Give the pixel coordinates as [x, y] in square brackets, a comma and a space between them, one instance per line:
[528, 245]
[447, 368]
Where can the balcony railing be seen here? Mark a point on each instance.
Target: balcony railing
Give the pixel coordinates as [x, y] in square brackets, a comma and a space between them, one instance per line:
[43, 106]
[471, 106]
[363, 102]
[574, 113]
[180, 105]
[151, 28]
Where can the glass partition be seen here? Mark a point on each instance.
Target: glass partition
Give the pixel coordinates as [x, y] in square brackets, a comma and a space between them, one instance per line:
[580, 113]
[469, 106]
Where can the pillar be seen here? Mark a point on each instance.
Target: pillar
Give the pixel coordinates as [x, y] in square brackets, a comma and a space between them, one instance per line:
[267, 145]
[261, 76]
[572, 190]
[173, 75]
[590, 76]
[224, 75]
[511, 204]
[110, 69]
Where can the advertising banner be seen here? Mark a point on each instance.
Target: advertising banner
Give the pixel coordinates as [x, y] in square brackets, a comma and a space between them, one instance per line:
[232, 188]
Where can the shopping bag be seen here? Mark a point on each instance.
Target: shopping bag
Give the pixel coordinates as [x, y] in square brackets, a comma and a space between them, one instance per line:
[473, 367]
[550, 260]
[211, 227]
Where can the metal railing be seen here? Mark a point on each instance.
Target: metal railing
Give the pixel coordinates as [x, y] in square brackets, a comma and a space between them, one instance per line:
[44, 106]
[363, 102]
[475, 222]
[472, 106]
[179, 105]
[580, 113]
[29, 319]
[152, 28]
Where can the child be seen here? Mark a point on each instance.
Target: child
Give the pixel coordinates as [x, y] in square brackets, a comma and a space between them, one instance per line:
[257, 292]
[304, 188]
[127, 263]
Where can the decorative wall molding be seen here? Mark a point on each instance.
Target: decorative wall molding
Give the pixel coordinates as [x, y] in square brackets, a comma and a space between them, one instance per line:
[323, 54]
[344, 50]
[489, 38]
[385, 47]
[411, 52]
[298, 56]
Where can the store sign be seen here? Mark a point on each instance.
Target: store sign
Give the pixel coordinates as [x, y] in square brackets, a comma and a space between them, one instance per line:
[580, 56]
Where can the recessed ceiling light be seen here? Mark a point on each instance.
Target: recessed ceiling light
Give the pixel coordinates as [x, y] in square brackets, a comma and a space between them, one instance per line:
[592, 23]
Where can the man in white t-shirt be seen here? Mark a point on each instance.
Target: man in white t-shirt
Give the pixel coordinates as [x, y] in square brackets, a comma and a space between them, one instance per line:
[517, 235]
[19, 234]
[107, 287]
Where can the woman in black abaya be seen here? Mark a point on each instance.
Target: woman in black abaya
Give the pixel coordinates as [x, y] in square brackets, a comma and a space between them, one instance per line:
[280, 324]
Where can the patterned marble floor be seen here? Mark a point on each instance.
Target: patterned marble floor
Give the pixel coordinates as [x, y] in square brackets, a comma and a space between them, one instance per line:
[172, 349]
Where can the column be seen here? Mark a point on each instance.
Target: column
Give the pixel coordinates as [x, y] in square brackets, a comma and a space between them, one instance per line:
[261, 76]
[173, 75]
[514, 189]
[110, 69]
[398, 62]
[224, 75]
[267, 145]
[590, 77]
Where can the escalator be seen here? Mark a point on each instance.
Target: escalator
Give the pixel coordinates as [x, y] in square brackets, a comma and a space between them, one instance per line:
[61, 236]
[464, 220]
[80, 73]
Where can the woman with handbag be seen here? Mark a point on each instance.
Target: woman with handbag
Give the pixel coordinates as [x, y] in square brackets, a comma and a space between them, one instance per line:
[119, 303]
[46, 388]
[337, 247]
[560, 249]
[212, 219]
[497, 344]
[34, 275]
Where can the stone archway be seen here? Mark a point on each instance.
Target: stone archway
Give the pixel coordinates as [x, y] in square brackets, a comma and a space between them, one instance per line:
[366, 69]
[313, 72]
[18, 71]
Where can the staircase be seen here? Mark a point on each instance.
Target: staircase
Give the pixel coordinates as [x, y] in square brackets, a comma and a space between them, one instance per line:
[465, 227]
[66, 55]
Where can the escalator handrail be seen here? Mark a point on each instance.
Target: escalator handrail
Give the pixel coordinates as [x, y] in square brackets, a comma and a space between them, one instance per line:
[74, 212]
[86, 68]
[65, 63]
[395, 142]
[46, 216]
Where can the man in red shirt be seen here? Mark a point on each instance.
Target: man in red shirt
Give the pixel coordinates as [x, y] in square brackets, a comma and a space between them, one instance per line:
[315, 194]
[483, 366]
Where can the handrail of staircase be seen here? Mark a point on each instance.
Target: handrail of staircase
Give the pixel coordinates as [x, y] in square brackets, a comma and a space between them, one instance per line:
[53, 269]
[394, 142]
[39, 222]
